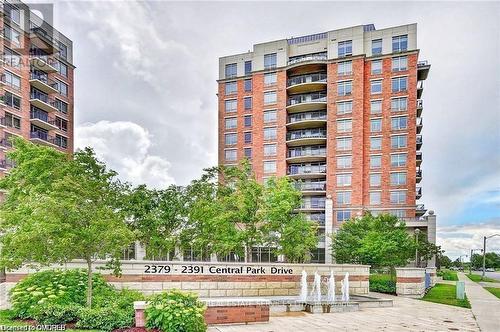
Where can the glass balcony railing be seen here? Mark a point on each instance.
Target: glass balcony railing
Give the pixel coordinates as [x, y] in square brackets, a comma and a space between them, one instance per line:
[316, 115]
[312, 204]
[307, 152]
[316, 217]
[309, 78]
[306, 169]
[43, 78]
[41, 115]
[308, 57]
[316, 97]
[306, 133]
[310, 186]
[42, 135]
[42, 97]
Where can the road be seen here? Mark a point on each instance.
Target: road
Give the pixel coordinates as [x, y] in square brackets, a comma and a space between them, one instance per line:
[493, 275]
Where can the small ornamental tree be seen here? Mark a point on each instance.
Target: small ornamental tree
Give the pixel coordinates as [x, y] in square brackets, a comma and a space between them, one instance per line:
[59, 208]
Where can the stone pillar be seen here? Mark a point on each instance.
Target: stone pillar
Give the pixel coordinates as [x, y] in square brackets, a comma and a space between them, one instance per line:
[433, 273]
[140, 251]
[410, 282]
[328, 229]
[213, 257]
[140, 318]
[431, 235]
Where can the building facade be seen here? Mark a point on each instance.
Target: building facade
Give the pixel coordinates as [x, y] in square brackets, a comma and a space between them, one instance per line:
[340, 112]
[36, 82]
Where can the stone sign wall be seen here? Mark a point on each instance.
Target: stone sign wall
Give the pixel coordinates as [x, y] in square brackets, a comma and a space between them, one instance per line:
[212, 279]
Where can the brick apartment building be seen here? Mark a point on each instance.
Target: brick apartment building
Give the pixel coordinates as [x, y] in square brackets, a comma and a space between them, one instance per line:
[341, 113]
[36, 80]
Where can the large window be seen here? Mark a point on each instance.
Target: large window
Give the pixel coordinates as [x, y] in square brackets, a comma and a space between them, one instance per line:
[12, 80]
[231, 70]
[399, 84]
[398, 179]
[375, 143]
[376, 106]
[270, 116]
[270, 61]
[11, 58]
[247, 137]
[12, 121]
[61, 141]
[399, 104]
[399, 63]
[248, 67]
[247, 121]
[376, 87]
[375, 180]
[270, 79]
[375, 125]
[61, 106]
[231, 139]
[344, 107]
[263, 255]
[248, 85]
[270, 133]
[376, 46]
[343, 197]
[62, 68]
[344, 162]
[270, 97]
[231, 87]
[375, 161]
[398, 141]
[398, 197]
[375, 197]
[343, 216]
[269, 166]
[344, 88]
[62, 87]
[247, 102]
[344, 143]
[230, 155]
[344, 126]
[376, 67]
[400, 43]
[248, 153]
[231, 123]
[230, 105]
[61, 124]
[269, 150]
[399, 122]
[344, 180]
[344, 68]
[345, 48]
[12, 34]
[63, 51]
[12, 100]
[398, 160]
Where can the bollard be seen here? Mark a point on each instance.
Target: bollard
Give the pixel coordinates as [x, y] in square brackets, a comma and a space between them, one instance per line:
[460, 290]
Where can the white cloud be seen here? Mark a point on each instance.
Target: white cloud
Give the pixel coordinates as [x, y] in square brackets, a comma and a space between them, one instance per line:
[125, 147]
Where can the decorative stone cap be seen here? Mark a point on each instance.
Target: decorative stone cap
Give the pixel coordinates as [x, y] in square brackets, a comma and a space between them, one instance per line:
[140, 305]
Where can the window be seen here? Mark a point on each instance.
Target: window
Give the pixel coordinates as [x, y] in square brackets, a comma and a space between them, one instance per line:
[230, 105]
[270, 79]
[248, 153]
[231, 123]
[376, 106]
[344, 197]
[344, 180]
[12, 100]
[398, 179]
[400, 43]
[398, 197]
[269, 97]
[13, 13]
[344, 68]
[399, 104]
[344, 143]
[231, 139]
[398, 142]
[376, 87]
[231, 70]
[61, 141]
[231, 87]
[270, 116]
[375, 180]
[375, 161]
[270, 61]
[61, 124]
[269, 150]
[344, 107]
[269, 167]
[344, 161]
[63, 52]
[376, 67]
[247, 101]
[344, 126]
[344, 88]
[375, 125]
[230, 155]
[399, 84]
[248, 85]
[399, 63]
[11, 34]
[375, 197]
[12, 80]
[399, 122]
[343, 216]
[263, 255]
[376, 46]
[345, 48]
[12, 121]
[375, 143]
[62, 87]
[269, 133]
[247, 136]
[11, 58]
[398, 160]
[248, 121]
[61, 106]
[248, 67]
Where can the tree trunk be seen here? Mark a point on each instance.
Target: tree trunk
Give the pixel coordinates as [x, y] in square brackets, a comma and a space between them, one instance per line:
[89, 283]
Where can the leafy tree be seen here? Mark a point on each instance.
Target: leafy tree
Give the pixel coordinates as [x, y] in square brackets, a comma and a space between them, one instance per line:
[492, 260]
[290, 232]
[443, 261]
[59, 208]
[380, 241]
[425, 249]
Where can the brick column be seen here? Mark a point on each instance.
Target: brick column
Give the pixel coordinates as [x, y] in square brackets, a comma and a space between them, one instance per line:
[140, 318]
[410, 282]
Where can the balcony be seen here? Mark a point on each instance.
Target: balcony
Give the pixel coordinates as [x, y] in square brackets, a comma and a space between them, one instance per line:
[420, 124]
[420, 89]
[420, 107]
[42, 101]
[307, 154]
[311, 187]
[309, 58]
[419, 192]
[419, 158]
[419, 175]
[43, 83]
[306, 102]
[419, 142]
[305, 171]
[306, 83]
[42, 62]
[306, 137]
[319, 218]
[306, 120]
[42, 119]
[42, 138]
[423, 68]
[312, 205]
[41, 38]
[420, 210]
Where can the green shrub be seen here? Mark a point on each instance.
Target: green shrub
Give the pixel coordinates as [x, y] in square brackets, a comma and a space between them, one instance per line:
[106, 319]
[382, 283]
[176, 311]
[57, 313]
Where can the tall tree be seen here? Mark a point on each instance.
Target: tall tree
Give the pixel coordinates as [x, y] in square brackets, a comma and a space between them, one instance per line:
[59, 208]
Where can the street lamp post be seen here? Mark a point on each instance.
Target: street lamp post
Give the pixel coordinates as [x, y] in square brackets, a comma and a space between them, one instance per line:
[484, 251]
[471, 254]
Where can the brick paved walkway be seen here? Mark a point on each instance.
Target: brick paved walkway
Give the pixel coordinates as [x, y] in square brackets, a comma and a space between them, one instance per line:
[405, 315]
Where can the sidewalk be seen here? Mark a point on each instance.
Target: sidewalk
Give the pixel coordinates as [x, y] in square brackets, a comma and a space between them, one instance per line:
[485, 306]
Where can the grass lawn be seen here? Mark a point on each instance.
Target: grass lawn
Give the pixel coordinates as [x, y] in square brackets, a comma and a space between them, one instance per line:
[477, 278]
[493, 290]
[448, 275]
[6, 320]
[445, 294]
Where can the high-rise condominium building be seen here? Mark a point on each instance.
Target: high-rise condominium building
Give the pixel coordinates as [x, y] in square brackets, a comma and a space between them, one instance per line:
[338, 111]
[36, 81]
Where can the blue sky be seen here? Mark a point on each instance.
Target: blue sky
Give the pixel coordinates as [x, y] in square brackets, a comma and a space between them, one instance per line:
[146, 83]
